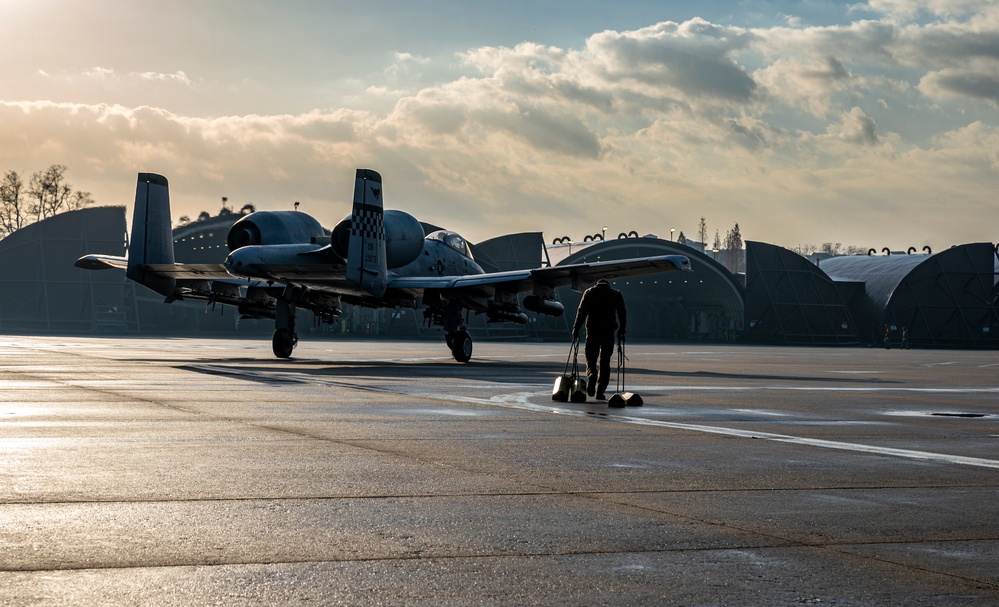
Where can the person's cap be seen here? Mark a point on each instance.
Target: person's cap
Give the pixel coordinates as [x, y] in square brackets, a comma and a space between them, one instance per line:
[602, 281]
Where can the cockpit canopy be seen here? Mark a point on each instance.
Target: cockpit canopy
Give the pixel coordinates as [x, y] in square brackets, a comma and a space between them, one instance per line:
[453, 240]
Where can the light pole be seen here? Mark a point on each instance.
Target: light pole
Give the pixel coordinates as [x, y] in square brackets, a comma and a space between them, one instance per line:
[603, 234]
[671, 230]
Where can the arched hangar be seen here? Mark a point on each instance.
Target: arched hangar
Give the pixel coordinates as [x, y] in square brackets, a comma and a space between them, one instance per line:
[946, 299]
[704, 305]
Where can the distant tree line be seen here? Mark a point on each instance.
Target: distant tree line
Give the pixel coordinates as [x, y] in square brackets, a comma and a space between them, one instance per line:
[46, 193]
[731, 248]
[728, 251]
[831, 248]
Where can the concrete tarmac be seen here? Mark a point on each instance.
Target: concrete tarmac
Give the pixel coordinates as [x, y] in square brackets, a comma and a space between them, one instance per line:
[206, 472]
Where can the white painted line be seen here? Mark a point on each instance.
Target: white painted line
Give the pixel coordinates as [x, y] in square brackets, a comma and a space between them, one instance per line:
[668, 389]
[521, 401]
[856, 372]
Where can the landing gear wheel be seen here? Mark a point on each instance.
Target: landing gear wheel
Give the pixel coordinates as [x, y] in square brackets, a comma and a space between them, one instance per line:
[283, 343]
[461, 346]
[449, 340]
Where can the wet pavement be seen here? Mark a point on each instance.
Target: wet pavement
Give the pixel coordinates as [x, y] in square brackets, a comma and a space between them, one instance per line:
[200, 472]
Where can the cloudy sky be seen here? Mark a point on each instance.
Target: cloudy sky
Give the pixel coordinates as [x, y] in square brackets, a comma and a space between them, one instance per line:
[804, 121]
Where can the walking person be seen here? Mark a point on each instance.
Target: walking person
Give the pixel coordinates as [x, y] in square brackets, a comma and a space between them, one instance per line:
[601, 311]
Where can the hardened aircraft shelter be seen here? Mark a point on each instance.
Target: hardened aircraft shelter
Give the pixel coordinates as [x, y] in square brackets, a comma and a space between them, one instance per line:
[946, 299]
[42, 291]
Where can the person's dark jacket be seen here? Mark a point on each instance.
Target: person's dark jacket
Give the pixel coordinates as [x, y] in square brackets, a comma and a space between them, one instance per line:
[601, 308]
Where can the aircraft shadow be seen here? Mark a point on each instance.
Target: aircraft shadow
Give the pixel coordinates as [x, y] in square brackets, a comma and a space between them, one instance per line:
[501, 371]
[297, 371]
[750, 376]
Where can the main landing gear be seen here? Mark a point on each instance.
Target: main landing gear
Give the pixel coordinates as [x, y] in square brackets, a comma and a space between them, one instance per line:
[460, 343]
[458, 340]
[283, 342]
[285, 338]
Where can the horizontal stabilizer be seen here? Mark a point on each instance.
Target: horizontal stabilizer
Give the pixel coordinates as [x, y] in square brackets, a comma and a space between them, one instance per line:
[102, 262]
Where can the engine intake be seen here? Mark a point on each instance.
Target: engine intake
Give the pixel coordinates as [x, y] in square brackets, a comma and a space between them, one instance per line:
[403, 238]
[274, 227]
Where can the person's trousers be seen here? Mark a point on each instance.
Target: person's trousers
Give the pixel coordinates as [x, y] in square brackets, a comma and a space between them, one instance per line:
[598, 351]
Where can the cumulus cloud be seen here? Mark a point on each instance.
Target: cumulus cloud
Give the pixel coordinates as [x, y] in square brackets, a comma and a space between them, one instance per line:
[781, 129]
[962, 83]
[109, 75]
[855, 127]
[909, 9]
[808, 85]
[178, 77]
[692, 59]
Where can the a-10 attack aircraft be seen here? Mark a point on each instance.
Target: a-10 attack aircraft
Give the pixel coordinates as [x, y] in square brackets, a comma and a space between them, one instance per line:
[283, 260]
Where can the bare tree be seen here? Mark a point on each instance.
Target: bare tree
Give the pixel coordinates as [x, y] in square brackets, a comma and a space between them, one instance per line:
[702, 232]
[831, 248]
[79, 200]
[733, 250]
[13, 214]
[50, 193]
[46, 194]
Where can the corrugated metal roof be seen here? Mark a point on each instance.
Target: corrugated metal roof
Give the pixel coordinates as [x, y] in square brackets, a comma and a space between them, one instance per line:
[881, 274]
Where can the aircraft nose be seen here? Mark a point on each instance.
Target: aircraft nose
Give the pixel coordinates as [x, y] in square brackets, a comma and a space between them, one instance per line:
[233, 264]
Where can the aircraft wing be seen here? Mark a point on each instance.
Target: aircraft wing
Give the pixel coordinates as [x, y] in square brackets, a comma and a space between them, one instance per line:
[556, 276]
[187, 271]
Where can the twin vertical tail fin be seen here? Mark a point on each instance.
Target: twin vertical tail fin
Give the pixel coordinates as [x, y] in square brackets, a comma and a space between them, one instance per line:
[151, 240]
[366, 260]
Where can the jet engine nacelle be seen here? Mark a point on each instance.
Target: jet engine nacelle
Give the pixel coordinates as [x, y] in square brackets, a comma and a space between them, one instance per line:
[548, 307]
[403, 238]
[274, 227]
